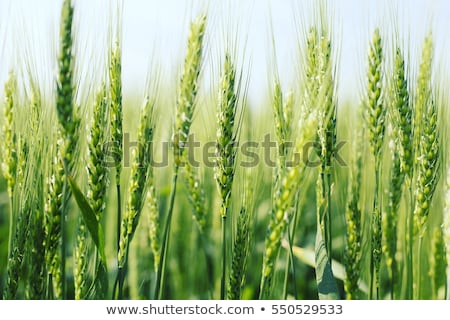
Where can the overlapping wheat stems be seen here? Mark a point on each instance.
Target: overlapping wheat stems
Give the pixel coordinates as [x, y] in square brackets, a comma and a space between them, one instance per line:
[446, 231]
[352, 255]
[141, 170]
[401, 147]
[66, 147]
[185, 107]
[290, 183]
[227, 132]
[375, 117]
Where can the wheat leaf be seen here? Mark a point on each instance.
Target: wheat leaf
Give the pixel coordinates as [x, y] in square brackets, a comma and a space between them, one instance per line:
[94, 227]
[326, 283]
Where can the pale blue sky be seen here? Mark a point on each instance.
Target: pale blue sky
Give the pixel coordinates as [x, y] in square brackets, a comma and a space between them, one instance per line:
[158, 29]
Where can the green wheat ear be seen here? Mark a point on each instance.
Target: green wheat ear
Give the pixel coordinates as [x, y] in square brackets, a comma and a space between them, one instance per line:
[403, 115]
[9, 148]
[428, 166]
[67, 113]
[226, 133]
[98, 178]
[426, 138]
[375, 109]
[116, 112]
[188, 87]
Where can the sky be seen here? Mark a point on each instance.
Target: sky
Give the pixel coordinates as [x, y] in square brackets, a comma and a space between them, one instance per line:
[155, 32]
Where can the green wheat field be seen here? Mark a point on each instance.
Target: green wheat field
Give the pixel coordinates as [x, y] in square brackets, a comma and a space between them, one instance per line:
[191, 191]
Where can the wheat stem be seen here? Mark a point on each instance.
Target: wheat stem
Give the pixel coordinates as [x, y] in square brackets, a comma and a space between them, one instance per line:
[159, 286]
[376, 127]
[289, 185]
[185, 107]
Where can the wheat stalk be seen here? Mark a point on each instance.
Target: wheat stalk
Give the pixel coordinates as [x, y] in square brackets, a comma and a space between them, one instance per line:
[116, 119]
[140, 172]
[226, 148]
[401, 147]
[326, 136]
[376, 126]
[68, 119]
[283, 113]
[289, 185]
[185, 107]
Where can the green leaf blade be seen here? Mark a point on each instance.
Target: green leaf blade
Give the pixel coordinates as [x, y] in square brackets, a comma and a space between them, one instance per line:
[89, 218]
[326, 283]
